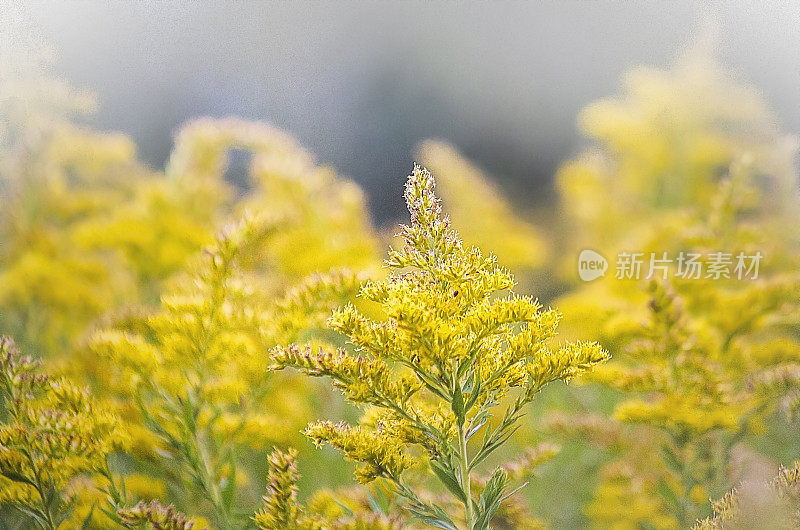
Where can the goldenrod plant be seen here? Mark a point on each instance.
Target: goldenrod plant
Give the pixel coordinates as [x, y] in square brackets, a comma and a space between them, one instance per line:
[92, 239]
[706, 378]
[673, 384]
[195, 370]
[688, 373]
[452, 350]
[52, 435]
[320, 228]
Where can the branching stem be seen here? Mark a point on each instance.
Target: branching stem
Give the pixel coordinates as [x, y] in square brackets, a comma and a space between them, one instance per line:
[463, 460]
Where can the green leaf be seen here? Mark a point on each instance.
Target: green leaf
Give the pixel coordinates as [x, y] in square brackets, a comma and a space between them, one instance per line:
[429, 382]
[432, 515]
[448, 478]
[88, 520]
[488, 433]
[474, 392]
[16, 477]
[466, 388]
[497, 440]
[229, 489]
[381, 499]
[668, 493]
[671, 459]
[432, 520]
[491, 498]
[476, 428]
[347, 511]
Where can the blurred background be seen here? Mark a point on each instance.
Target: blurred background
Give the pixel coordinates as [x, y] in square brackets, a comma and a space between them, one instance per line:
[596, 135]
[360, 83]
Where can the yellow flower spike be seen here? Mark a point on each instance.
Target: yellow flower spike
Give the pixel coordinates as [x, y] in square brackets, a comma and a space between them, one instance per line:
[483, 215]
[158, 516]
[281, 508]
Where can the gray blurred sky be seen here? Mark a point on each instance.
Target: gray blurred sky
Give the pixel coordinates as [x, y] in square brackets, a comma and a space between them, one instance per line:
[360, 83]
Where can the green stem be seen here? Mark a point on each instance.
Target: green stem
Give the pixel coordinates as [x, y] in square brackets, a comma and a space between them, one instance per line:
[465, 476]
[211, 484]
[687, 510]
[49, 523]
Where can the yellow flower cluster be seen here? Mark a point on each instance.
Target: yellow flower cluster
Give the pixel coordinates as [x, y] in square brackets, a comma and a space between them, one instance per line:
[381, 453]
[482, 214]
[155, 515]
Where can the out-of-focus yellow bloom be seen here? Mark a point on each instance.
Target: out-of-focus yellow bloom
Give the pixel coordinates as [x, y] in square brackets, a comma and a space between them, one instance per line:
[326, 221]
[662, 145]
[625, 500]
